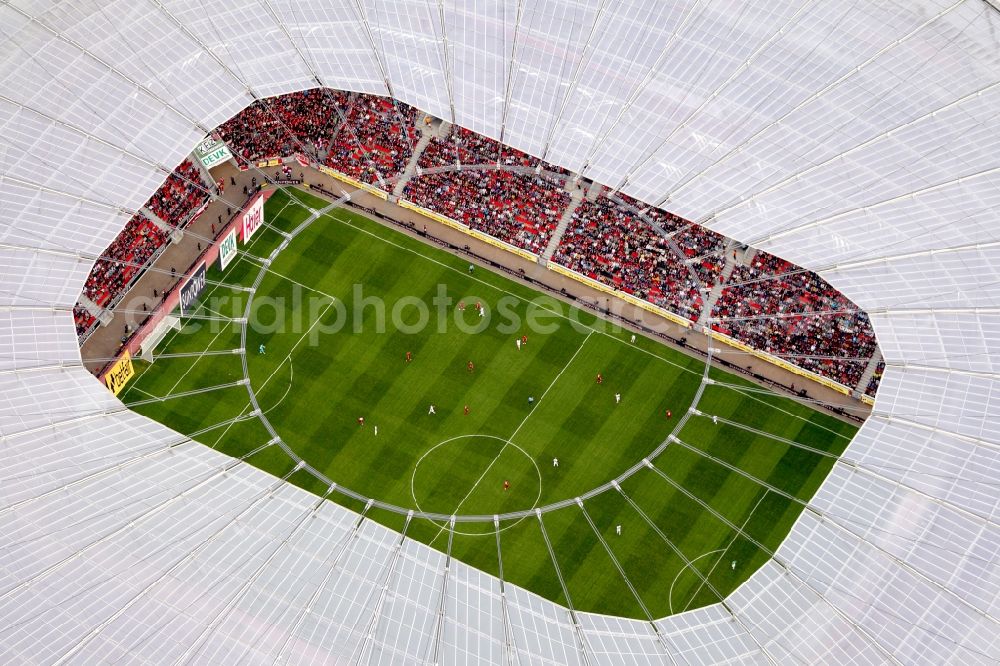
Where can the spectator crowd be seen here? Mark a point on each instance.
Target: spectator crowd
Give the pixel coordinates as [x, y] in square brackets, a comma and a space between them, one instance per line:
[376, 142]
[520, 209]
[875, 380]
[303, 122]
[619, 241]
[182, 194]
[777, 307]
[462, 146]
[612, 244]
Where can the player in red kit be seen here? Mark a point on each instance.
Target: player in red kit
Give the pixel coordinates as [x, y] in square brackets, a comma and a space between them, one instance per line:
[669, 413]
[409, 356]
[506, 485]
[471, 367]
[600, 378]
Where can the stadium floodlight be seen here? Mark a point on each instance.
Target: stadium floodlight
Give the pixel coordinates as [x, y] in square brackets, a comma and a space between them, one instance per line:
[874, 161]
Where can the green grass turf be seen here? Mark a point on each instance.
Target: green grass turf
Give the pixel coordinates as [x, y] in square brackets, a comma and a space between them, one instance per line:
[314, 382]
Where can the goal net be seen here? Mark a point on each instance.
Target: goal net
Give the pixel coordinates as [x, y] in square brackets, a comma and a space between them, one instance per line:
[155, 336]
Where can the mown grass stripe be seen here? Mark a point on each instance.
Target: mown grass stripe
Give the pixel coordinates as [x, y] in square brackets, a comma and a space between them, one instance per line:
[354, 373]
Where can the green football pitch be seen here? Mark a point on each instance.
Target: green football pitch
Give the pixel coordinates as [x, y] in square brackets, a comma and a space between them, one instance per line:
[340, 306]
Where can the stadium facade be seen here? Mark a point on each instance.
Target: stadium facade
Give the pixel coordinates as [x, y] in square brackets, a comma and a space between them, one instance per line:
[859, 140]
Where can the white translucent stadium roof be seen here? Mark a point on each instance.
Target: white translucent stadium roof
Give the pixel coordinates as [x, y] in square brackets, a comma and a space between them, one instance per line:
[860, 139]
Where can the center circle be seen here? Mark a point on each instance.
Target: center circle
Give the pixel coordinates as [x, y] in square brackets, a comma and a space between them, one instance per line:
[471, 475]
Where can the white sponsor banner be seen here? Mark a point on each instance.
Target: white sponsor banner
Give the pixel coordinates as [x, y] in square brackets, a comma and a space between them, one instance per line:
[253, 219]
[227, 250]
[211, 152]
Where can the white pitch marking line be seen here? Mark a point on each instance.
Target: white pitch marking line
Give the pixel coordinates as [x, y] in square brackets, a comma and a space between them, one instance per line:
[147, 393]
[173, 334]
[508, 441]
[509, 293]
[201, 355]
[285, 277]
[291, 379]
[288, 358]
[736, 535]
[670, 593]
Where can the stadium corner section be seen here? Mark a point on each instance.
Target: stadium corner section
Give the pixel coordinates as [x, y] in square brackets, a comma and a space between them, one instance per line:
[185, 292]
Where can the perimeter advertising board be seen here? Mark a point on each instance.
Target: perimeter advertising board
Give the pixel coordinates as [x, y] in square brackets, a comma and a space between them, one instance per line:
[211, 152]
[117, 377]
[227, 249]
[253, 219]
[192, 288]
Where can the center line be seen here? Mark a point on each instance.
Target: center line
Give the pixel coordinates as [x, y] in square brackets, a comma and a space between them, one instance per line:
[525, 420]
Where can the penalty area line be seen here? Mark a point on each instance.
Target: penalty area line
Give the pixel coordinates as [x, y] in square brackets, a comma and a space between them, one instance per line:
[288, 357]
[736, 535]
[269, 270]
[166, 342]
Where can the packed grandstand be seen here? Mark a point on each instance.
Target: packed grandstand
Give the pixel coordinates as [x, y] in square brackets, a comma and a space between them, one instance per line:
[751, 296]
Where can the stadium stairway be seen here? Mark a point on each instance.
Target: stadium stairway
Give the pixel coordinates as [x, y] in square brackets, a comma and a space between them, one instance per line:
[869, 371]
[341, 122]
[576, 194]
[175, 233]
[426, 135]
[95, 310]
[443, 130]
[206, 178]
[727, 271]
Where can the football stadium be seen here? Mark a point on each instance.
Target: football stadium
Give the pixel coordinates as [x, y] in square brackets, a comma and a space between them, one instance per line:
[500, 332]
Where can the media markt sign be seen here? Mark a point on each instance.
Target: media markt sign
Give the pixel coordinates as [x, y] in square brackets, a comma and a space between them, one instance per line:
[212, 151]
[227, 249]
